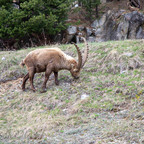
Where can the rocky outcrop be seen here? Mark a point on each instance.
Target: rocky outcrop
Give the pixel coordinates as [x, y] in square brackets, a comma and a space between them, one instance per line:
[111, 26]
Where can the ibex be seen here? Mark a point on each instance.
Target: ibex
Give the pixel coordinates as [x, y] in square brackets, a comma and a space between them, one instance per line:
[50, 60]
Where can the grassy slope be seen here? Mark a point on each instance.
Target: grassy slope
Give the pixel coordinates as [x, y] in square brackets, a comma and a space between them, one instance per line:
[113, 112]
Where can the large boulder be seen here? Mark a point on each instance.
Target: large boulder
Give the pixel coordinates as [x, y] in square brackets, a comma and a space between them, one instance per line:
[137, 19]
[70, 34]
[119, 26]
[140, 33]
[122, 30]
[111, 26]
[72, 30]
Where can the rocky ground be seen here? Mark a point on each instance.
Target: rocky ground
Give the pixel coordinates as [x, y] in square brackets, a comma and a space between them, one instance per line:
[106, 105]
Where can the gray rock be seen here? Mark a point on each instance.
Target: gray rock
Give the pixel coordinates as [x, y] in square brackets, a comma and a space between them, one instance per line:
[111, 26]
[80, 28]
[95, 24]
[91, 39]
[128, 54]
[97, 32]
[72, 30]
[135, 22]
[70, 34]
[84, 96]
[77, 39]
[140, 33]
[103, 1]
[128, 26]
[122, 30]
[102, 20]
[80, 34]
[15, 6]
[88, 31]
[99, 23]
[119, 13]
[128, 16]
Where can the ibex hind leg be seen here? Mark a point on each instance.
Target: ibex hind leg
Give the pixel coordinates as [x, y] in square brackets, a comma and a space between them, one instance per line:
[31, 77]
[25, 78]
[47, 74]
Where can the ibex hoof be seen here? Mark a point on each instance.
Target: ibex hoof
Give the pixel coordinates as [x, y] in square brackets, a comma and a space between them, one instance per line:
[23, 89]
[43, 90]
[57, 83]
[34, 90]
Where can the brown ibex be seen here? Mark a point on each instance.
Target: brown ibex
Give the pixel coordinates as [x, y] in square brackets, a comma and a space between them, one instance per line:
[50, 60]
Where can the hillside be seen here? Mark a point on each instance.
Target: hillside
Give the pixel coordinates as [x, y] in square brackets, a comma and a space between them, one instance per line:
[104, 106]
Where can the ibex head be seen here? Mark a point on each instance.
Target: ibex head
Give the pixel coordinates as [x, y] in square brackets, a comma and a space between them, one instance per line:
[77, 66]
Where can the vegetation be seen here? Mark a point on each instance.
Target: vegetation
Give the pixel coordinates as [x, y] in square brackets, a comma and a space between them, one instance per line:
[91, 6]
[32, 18]
[29, 23]
[105, 105]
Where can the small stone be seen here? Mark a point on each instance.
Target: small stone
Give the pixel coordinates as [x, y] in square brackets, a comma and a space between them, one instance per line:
[64, 110]
[3, 58]
[72, 30]
[84, 96]
[128, 54]
[76, 5]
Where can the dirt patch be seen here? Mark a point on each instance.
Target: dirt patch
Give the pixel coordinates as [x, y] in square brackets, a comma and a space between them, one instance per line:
[13, 85]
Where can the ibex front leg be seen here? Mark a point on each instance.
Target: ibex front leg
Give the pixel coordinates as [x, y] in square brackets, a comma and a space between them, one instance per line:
[47, 74]
[56, 78]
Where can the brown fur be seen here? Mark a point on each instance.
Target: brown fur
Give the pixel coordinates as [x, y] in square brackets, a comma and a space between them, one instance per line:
[48, 60]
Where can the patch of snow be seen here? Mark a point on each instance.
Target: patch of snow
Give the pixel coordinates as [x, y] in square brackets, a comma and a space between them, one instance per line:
[84, 96]
[128, 54]
[3, 58]
[64, 110]
[124, 71]
[76, 5]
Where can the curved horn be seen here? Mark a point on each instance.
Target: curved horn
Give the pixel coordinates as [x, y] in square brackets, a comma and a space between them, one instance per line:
[85, 52]
[79, 57]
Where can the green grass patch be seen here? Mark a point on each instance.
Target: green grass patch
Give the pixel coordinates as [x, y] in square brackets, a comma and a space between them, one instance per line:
[112, 111]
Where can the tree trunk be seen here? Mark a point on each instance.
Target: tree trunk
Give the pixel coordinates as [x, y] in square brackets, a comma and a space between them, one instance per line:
[90, 10]
[79, 3]
[96, 11]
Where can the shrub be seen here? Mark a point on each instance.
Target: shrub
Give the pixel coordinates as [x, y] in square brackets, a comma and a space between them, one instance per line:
[32, 18]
